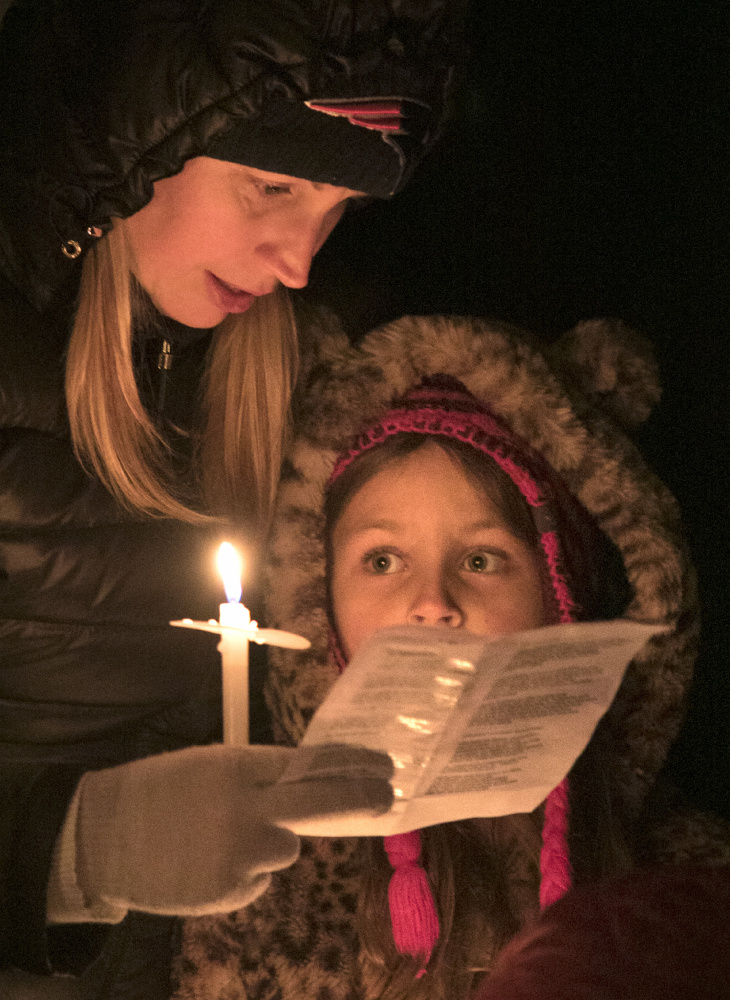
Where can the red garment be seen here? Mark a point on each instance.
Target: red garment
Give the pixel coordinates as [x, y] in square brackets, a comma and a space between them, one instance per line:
[658, 934]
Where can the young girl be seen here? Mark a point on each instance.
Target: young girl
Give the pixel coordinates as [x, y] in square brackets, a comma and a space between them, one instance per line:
[487, 497]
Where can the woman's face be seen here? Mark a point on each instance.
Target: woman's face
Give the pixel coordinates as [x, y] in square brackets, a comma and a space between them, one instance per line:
[420, 543]
[218, 234]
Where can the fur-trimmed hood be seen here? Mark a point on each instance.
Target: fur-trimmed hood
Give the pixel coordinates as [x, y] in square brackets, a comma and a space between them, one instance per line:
[574, 402]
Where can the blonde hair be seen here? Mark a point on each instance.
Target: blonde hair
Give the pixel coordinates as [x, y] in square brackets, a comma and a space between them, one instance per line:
[243, 415]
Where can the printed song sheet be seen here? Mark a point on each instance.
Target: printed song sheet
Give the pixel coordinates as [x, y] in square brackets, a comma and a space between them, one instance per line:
[474, 725]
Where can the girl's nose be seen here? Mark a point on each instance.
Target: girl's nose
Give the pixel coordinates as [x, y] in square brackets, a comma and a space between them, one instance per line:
[434, 605]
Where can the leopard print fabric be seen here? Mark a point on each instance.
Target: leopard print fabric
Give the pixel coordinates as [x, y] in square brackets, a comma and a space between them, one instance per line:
[297, 940]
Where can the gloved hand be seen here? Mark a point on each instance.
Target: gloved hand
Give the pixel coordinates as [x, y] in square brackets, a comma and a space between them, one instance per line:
[195, 831]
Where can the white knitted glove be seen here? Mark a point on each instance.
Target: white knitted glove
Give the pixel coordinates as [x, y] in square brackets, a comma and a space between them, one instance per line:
[197, 831]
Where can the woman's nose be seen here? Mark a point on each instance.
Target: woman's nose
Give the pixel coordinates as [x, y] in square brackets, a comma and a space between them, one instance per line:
[289, 263]
[434, 605]
[291, 249]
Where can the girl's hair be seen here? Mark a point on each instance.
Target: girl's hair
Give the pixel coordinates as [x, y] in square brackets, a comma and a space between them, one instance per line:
[468, 875]
[243, 412]
[478, 914]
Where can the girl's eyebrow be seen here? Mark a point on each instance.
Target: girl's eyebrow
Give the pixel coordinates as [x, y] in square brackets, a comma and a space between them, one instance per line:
[488, 525]
[382, 525]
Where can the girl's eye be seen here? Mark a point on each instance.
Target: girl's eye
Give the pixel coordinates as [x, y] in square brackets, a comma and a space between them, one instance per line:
[482, 562]
[382, 563]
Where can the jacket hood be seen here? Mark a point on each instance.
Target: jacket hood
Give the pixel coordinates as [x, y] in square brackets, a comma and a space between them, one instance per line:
[103, 99]
[575, 403]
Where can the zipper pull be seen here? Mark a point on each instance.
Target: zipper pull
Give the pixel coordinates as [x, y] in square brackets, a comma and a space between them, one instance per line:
[164, 358]
[164, 364]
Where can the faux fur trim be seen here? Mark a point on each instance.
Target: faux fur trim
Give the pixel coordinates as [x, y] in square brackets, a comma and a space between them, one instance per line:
[611, 365]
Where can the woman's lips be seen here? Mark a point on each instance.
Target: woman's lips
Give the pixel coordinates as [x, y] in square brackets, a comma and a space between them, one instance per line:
[228, 298]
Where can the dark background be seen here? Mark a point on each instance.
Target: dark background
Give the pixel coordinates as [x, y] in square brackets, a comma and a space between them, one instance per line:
[587, 175]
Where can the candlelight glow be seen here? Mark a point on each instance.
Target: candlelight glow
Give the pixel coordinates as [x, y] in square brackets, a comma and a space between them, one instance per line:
[229, 567]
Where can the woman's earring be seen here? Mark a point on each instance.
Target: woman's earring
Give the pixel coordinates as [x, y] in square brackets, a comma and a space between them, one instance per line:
[68, 205]
[70, 249]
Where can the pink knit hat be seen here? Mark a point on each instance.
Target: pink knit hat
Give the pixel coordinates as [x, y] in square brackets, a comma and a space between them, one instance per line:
[442, 407]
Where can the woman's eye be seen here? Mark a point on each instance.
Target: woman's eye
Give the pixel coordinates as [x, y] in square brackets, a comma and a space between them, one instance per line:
[482, 562]
[382, 563]
[270, 190]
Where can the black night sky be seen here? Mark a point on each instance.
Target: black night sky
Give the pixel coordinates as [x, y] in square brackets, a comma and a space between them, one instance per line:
[588, 175]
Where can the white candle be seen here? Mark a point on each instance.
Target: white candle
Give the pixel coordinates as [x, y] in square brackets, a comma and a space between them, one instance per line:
[236, 630]
[233, 648]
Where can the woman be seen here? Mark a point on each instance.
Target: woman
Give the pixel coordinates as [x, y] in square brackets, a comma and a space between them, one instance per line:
[165, 168]
[408, 544]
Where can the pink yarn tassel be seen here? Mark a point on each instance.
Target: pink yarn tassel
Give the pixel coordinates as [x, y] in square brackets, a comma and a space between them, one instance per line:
[412, 909]
[555, 870]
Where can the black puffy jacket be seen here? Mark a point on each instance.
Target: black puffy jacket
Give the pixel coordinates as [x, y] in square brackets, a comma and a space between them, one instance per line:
[97, 101]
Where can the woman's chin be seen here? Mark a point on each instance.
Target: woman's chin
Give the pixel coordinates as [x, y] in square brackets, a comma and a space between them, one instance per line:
[198, 315]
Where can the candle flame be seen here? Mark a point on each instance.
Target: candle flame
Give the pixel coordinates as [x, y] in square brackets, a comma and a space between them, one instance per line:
[229, 567]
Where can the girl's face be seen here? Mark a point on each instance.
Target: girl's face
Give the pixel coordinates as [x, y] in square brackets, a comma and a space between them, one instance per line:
[218, 234]
[420, 543]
